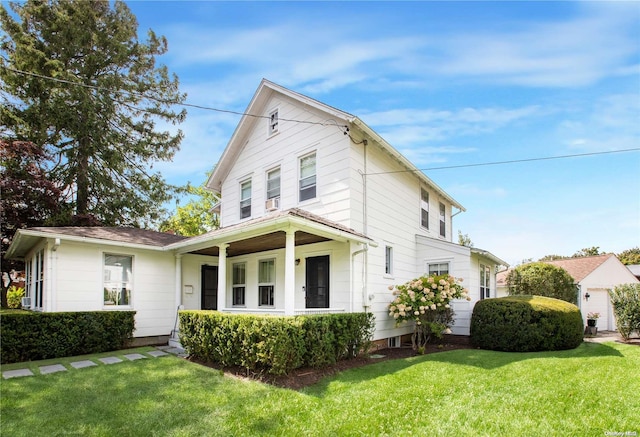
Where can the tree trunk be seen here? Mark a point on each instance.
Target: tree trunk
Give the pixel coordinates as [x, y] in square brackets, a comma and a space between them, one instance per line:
[82, 178]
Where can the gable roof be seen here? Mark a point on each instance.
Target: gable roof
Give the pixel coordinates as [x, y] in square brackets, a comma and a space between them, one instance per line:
[578, 268]
[133, 237]
[255, 110]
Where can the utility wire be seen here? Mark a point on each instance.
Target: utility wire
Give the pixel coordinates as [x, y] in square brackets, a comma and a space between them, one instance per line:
[513, 161]
[169, 102]
[324, 123]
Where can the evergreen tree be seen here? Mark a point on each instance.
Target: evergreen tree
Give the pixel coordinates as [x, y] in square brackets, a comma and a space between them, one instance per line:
[76, 81]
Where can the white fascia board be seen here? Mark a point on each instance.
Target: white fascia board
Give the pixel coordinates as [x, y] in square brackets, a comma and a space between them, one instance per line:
[489, 255]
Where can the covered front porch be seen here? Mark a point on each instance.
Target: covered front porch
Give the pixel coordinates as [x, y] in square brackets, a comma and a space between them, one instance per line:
[285, 263]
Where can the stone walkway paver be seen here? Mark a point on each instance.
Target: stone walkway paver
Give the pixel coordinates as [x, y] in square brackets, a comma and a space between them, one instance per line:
[160, 351]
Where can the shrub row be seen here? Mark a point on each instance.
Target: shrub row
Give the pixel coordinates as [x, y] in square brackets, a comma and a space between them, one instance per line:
[276, 345]
[526, 324]
[29, 335]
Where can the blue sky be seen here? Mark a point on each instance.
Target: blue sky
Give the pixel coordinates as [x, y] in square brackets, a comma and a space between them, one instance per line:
[447, 84]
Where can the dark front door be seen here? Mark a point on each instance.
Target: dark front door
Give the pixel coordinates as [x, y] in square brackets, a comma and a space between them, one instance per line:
[317, 282]
[209, 287]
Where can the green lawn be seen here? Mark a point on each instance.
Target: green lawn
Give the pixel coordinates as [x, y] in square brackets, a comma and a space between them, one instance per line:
[591, 390]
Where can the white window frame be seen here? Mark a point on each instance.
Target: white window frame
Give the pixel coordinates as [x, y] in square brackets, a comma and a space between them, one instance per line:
[424, 207]
[279, 179]
[245, 202]
[238, 287]
[388, 260]
[485, 281]
[438, 267]
[274, 122]
[114, 286]
[35, 280]
[268, 286]
[443, 220]
[302, 180]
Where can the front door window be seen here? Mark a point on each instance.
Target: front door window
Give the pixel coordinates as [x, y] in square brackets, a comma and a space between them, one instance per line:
[317, 282]
[209, 287]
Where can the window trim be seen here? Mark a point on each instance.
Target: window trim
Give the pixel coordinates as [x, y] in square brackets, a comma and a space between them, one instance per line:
[273, 122]
[124, 284]
[34, 279]
[438, 263]
[241, 287]
[485, 289]
[271, 284]
[443, 220]
[247, 201]
[388, 260]
[266, 185]
[424, 208]
[315, 177]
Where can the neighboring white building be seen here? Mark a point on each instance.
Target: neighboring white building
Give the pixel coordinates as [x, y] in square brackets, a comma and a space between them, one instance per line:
[318, 214]
[594, 276]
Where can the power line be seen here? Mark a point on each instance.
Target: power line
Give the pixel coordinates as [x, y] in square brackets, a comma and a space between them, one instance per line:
[169, 102]
[513, 161]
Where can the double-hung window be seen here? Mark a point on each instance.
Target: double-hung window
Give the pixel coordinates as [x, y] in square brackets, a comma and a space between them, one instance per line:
[485, 282]
[266, 282]
[438, 269]
[239, 283]
[35, 279]
[424, 208]
[443, 226]
[245, 199]
[273, 122]
[118, 279]
[273, 183]
[307, 177]
[388, 260]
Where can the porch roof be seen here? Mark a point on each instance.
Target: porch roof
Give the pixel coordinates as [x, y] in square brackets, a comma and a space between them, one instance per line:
[269, 232]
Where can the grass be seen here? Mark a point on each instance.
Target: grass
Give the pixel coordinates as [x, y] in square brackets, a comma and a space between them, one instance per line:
[591, 390]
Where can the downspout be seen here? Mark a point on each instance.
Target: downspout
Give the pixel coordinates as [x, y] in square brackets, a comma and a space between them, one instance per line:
[52, 277]
[365, 228]
[353, 261]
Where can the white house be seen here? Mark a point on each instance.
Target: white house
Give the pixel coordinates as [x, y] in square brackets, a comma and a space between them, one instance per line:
[318, 214]
[594, 276]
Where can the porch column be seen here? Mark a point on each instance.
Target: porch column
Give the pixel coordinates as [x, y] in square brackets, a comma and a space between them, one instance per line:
[178, 280]
[290, 273]
[222, 276]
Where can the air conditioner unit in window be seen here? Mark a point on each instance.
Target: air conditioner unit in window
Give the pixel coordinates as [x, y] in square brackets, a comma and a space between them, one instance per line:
[272, 204]
[26, 302]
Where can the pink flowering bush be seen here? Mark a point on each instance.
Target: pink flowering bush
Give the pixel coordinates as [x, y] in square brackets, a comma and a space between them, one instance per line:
[426, 302]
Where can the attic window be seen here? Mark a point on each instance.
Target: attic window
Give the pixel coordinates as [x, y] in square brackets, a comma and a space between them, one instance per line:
[273, 122]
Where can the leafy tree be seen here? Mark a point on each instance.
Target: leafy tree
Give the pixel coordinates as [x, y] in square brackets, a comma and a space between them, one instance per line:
[542, 279]
[551, 258]
[630, 256]
[464, 240]
[625, 299]
[587, 251]
[196, 217]
[77, 82]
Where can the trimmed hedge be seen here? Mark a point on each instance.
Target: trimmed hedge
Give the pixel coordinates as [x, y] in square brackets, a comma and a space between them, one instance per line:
[30, 335]
[526, 324]
[273, 344]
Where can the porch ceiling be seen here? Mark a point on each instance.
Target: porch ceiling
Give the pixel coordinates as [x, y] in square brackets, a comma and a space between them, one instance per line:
[262, 243]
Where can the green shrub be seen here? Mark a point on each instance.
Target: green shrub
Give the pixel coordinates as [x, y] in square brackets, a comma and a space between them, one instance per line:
[14, 297]
[542, 279]
[526, 324]
[626, 306]
[29, 335]
[274, 344]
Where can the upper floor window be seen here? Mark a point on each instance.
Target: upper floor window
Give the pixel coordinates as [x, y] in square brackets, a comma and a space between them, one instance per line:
[388, 260]
[239, 283]
[307, 177]
[485, 282]
[118, 275]
[266, 282]
[438, 269]
[245, 199]
[424, 208]
[273, 183]
[443, 226]
[273, 122]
